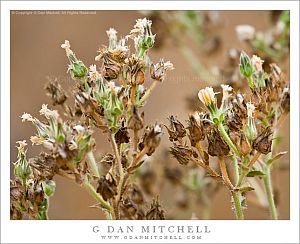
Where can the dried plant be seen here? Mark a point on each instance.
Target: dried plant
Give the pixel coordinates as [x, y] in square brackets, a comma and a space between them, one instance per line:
[107, 99]
[239, 132]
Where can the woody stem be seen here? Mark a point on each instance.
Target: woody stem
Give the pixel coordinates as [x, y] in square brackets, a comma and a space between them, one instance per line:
[135, 139]
[224, 173]
[200, 150]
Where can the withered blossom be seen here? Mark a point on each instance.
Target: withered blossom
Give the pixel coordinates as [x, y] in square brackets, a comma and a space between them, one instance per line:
[158, 71]
[151, 138]
[134, 69]
[263, 142]
[176, 130]
[216, 144]
[196, 130]
[107, 187]
[56, 93]
[122, 136]
[182, 154]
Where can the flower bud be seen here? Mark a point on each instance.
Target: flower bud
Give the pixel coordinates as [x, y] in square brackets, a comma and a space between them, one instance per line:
[21, 167]
[246, 67]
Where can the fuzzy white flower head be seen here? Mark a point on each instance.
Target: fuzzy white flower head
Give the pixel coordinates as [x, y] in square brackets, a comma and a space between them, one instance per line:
[22, 145]
[112, 33]
[207, 96]
[250, 109]
[49, 113]
[245, 32]
[121, 46]
[226, 90]
[27, 117]
[93, 73]
[257, 63]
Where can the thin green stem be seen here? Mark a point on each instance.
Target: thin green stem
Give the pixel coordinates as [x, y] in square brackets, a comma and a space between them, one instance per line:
[92, 163]
[91, 190]
[250, 80]
[148, 93]
[269, 190]
[237, 205]
[227, 138]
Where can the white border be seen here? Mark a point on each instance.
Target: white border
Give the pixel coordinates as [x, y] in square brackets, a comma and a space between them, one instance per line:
[284, 231]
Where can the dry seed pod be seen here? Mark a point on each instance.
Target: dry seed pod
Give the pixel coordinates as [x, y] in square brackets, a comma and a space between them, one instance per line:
[216, 144]
[44, 166]
[182, 153]
[196, 131]
[263, 142]
[107, 188]
[176, 130]
[122, 136]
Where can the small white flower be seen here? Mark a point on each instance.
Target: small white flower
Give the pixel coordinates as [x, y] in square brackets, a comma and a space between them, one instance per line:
[226, 90]
[245, 32]
[93, 73]
[257, 63]
[112, 33]
[27, 117]
[207, 96]
[66, 45]
[250, 109]
[48, 113]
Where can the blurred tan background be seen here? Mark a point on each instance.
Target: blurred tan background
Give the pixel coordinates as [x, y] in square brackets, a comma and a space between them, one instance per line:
[36, 55]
